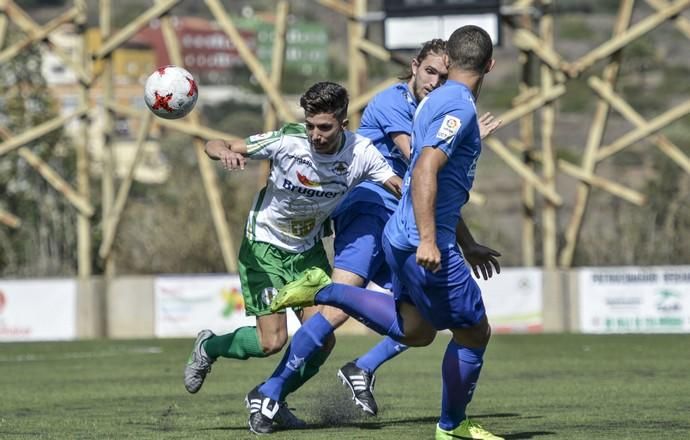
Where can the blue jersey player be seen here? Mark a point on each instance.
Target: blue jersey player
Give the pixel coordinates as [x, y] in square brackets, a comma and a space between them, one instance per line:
[432, 284]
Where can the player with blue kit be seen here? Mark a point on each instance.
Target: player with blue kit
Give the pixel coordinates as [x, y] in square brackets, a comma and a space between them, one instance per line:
[433, 287]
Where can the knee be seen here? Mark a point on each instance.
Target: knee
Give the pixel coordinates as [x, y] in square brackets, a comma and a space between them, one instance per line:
[334, 315]
[271, 344]
[421, 338]
[329, 344]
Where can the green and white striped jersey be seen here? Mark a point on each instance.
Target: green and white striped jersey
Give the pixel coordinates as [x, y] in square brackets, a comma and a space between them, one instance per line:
[304, 187]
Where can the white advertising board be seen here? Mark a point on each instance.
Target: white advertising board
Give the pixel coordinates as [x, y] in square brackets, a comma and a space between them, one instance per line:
[635, 300]
[513, 300]
[186, 304]
[40, 310]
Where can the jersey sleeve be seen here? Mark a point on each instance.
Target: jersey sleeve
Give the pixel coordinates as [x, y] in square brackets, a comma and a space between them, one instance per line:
[394, 114]
[448, 127]
[374, 165]
[264, 145]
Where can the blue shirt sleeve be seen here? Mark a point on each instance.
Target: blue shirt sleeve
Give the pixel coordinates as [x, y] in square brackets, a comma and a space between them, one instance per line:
[394, 112]
[448, 128]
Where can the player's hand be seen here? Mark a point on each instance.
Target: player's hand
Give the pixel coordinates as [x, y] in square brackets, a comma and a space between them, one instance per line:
[428, 256]
[488, 124]
[481, 259]
[231, 160]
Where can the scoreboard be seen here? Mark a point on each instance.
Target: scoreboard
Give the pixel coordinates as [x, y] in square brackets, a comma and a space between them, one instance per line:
[408, 23]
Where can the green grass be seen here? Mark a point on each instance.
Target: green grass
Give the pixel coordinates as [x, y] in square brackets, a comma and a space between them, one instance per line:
[541, 387]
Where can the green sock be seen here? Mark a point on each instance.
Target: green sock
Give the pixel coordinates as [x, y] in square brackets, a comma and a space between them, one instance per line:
[308, 370]
[243, 343]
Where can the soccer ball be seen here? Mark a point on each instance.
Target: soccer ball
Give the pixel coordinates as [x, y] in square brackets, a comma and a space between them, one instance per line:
[170, 92]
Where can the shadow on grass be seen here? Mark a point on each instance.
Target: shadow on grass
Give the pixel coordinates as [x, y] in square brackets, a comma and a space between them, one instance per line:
[528, 434]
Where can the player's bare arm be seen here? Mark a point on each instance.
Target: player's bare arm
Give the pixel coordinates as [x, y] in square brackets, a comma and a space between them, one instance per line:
[394, 185]
[488, 124]
[480, 257]
[402, 141]
[424, 187]
[230, 153]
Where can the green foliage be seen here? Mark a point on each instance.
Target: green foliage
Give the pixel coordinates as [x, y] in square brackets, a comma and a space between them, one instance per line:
[44, 245]
[532, 386]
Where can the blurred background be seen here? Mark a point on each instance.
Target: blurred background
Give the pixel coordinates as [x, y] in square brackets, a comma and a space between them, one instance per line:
[590, 168]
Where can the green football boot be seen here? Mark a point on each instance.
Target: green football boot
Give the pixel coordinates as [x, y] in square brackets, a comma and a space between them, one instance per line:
[466, 430]
[301, 292]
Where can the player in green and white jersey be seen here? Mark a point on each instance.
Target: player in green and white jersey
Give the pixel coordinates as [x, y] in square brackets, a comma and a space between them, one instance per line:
[313, 166]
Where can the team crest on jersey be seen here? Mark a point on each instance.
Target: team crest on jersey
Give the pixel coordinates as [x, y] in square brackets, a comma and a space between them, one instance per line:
[262, 136]
[340, 169]
[449, 127]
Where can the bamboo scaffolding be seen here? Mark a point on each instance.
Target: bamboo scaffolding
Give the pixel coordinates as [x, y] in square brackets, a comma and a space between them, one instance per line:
[156, 11]
[177, 125]
[523, 171]
[14, 50]
[548, 121]
[29, 26]
[532, 105]
[277, 62]
[680, 22]
[208, 175]
[39, 131]
[111, 223]
[250, 59]
[357, 63]
[594, 140]
[631, 34]
[9, 219]
[361, 101]
[645, 130]
[621, 106]
[107, 134]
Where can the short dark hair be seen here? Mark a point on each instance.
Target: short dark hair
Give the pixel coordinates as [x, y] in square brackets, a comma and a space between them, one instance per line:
[470, 48]
[325, 97]
[436, 46]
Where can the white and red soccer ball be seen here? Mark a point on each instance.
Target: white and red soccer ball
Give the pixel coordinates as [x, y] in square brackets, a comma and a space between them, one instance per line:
[171, 92]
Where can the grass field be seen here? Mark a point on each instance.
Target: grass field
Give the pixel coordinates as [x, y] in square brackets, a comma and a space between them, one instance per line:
[532, 387]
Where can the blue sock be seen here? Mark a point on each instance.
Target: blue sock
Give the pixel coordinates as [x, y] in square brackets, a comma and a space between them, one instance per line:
[374, 309]
[306, 341]
[384, 350]
[460, 372]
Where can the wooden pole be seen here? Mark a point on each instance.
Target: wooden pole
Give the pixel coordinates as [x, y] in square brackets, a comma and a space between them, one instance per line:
[111, 222]
[9, 219]
[159, 9]
[39, 35]
[645, 130]
[548, 119]
[526, 60]
[621, 106]
[522, 170]
[208, 175]
[250, 59]
[83, 184]
[356, 105]
[3, 23]
[39, 130]
[108, 161]
[356, 66]
[596, 135]
[176, 125]
[28, 25]
[532, 104]
[631, 34]
[681, 23]
[277, 62]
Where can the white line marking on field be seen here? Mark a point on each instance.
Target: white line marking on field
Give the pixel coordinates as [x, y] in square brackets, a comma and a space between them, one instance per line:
[32, 357]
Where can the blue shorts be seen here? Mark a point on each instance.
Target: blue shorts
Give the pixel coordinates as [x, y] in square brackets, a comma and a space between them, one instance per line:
[357, 245]
[449, 298]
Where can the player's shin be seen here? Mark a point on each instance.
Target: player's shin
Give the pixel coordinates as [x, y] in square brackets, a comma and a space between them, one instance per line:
[382, 352]
[305, 343]
[460, 372]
